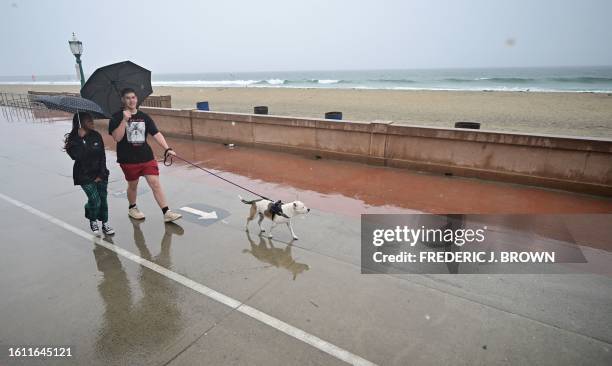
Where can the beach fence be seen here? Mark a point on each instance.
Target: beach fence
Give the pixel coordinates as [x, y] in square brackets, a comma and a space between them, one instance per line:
[18, 107]
[24, 107]
[157, 101]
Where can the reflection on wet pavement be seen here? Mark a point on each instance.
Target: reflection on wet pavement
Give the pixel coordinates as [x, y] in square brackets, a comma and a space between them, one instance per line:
[266, 252]
[143, 324]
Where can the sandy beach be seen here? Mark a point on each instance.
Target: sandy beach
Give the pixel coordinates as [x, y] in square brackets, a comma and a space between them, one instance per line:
[564, 113]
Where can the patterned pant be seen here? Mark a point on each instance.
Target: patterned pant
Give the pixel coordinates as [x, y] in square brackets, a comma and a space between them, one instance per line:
[96, 207]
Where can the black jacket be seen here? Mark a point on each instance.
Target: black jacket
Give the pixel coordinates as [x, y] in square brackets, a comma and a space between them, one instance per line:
[89, 158]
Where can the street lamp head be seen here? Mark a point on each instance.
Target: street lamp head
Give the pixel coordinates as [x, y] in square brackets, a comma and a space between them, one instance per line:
[76, 46]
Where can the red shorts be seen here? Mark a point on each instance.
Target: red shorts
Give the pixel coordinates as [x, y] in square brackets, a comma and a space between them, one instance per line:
[137, 170]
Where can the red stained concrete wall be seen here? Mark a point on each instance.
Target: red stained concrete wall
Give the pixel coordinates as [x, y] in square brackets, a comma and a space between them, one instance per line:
[574, 164]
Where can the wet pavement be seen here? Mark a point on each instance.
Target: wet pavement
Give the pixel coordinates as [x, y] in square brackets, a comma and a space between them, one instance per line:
[352, 189]
[59, 288]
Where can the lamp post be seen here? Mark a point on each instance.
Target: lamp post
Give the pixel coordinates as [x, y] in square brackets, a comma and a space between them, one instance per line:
[76, 47]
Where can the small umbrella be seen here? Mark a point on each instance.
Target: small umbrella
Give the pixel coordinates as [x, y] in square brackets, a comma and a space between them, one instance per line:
[71, 104]
[105, 84]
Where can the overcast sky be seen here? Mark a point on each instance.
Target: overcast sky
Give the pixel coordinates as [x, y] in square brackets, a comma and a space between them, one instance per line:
[278, 35]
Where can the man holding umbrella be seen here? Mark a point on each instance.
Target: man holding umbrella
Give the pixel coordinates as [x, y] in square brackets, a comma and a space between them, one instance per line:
[118, 87]
[130, 128]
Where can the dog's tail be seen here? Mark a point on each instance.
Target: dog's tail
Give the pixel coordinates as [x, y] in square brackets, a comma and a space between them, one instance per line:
[248, 202]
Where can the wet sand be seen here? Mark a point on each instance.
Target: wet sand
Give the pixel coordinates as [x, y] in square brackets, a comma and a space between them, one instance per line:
[571, 114]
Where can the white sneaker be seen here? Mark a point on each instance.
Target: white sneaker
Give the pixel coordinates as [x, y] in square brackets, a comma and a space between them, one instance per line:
[170, 216]
[135, 213]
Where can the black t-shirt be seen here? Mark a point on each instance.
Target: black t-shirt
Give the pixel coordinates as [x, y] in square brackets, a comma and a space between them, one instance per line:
[133, 147]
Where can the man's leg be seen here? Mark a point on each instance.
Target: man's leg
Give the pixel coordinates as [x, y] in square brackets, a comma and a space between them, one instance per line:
[132, 189]
[151, 174]
[158, 192]
[132, 174]
[133, 211]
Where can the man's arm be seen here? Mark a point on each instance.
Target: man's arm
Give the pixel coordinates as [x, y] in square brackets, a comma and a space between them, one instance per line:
[161, 140]
[119, 132]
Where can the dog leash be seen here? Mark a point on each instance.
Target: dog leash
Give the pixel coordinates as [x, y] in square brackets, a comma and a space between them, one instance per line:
[169, 160]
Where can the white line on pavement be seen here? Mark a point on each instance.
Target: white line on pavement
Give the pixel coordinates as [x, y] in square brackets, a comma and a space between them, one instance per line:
[269, 320]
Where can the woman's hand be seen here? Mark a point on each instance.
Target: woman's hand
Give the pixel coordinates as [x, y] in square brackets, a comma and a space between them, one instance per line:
[98, 179]
[81, 132]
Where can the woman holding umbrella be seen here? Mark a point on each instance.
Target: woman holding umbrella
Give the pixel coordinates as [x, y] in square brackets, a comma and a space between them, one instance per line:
[86, 147]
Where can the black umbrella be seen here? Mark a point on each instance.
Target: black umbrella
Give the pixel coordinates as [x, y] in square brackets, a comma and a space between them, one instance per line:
[71, 104]
[105, 84]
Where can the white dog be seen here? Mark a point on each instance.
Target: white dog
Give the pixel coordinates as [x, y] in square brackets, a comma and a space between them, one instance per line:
[276, 212]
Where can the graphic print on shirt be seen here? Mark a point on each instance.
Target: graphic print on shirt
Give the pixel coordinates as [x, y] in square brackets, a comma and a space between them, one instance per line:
[136, 132]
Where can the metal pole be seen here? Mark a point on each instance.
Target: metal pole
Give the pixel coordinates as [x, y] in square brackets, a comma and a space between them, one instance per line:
[78, 60]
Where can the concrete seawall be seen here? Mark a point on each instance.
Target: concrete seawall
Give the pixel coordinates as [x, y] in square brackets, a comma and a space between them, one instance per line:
[573, 164]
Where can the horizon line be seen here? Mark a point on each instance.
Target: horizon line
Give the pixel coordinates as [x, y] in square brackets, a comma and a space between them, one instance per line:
[348, 69]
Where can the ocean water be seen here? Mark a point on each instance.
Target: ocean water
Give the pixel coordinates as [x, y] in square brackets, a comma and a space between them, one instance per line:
[561, 79]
